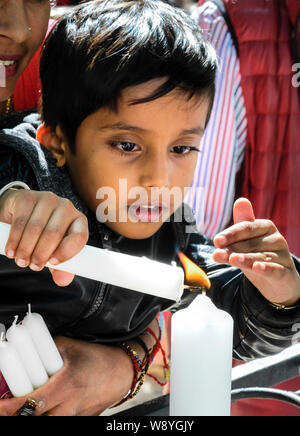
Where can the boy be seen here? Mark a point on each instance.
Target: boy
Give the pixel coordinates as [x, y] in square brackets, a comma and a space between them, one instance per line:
[132, 95]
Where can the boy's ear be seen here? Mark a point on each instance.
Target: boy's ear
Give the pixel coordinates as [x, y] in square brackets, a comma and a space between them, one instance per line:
[54, 142]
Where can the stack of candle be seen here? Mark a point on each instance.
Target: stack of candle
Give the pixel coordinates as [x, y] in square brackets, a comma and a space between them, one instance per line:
[29, 356]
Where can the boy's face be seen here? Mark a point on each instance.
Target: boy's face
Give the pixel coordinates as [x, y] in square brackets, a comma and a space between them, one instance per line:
[142, 151]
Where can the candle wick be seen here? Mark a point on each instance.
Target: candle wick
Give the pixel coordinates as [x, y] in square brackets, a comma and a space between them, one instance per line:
[15, 321]
[29, 309]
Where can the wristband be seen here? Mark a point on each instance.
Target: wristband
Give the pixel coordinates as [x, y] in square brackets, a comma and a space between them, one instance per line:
[282, 306]
[14, 185]
[139, 368]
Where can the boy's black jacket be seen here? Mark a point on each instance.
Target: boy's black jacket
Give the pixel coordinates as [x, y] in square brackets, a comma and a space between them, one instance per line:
[103, 313]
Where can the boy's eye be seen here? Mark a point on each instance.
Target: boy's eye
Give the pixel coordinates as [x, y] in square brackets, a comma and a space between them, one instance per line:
[182, 149]
[125, 146]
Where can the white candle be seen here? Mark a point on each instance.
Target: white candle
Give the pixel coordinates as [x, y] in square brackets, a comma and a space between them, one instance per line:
[131, 272]
[201, 360]
[19, 337]
[43, 342]
[13, 370]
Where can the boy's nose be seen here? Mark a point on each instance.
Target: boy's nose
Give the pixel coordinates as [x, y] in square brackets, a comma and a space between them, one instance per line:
[14, 23]
[156, 173]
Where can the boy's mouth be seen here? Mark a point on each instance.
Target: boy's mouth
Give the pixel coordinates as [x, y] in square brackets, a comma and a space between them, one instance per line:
[146, 213]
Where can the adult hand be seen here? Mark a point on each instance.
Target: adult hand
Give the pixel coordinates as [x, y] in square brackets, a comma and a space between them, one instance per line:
[44, 227]
[94, 377]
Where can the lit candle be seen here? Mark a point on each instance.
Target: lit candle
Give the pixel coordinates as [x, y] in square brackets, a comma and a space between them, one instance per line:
[131, 272]
[43, 342]
[201, 353]
[201, 360]
[19, 337]
[13, 370]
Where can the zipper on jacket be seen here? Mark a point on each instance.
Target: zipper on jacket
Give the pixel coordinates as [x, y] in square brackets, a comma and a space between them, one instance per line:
[98, 302]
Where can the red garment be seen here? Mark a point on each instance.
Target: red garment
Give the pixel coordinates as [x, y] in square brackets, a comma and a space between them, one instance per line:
[28, 89]
[272, 162]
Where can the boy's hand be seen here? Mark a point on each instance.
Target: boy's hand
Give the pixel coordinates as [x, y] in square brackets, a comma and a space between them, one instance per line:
[44, 227]
[261, 252]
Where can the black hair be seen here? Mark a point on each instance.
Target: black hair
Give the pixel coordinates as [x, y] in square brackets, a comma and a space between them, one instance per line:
[105, 46]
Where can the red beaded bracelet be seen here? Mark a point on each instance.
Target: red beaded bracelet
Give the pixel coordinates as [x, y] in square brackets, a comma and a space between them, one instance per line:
[139, 367]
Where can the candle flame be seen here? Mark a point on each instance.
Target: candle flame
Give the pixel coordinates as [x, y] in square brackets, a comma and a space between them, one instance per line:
[195, 276]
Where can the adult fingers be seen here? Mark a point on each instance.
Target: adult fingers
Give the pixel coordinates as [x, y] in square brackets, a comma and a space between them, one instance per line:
[53, 234]
[34, 229]
[73, 242]
[18, 221]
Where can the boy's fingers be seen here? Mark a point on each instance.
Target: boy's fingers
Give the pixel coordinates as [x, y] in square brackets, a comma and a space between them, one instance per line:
[244, 231]
[267, 243]
[246, 260]
[257, 264]
[269, 268]
[221, 256]
[243, 261]
[243, 211]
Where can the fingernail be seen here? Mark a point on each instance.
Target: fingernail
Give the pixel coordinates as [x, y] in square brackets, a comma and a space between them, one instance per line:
[21, 263]
[35, 267]
[222, 239]
[54, 261]
[10, 254]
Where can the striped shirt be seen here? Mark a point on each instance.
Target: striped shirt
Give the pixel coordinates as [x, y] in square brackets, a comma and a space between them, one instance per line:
[213, 189]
